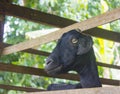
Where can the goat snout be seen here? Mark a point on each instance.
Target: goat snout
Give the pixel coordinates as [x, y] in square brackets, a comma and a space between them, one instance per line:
[52, 67]
[49, 61]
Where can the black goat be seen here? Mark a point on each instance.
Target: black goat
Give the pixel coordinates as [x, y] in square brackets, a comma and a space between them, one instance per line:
[74, 52]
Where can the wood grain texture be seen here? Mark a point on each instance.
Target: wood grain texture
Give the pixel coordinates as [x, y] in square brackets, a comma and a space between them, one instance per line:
[31, 51]
[108, 65]
[41, 72]
[85, 25]
[45, 18]
[1, 27]
[103, 90]
[27, 89]
[38, 52]
[104, 34]
[34, 15]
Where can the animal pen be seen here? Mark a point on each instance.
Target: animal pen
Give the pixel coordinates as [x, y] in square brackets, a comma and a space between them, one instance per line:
[88, 27]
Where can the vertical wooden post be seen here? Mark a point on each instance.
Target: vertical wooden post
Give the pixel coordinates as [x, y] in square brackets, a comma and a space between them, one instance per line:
[2, 17]
[1, 27]
[2, 21]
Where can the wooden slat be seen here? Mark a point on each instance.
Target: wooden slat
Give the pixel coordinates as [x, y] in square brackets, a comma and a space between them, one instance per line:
[45, 18]
[41, 17]
[21, 69]
[114, 36]
[38, 52]
[31, 51]
[1, 27]
[65, 22]
[1, 30]
[108, 65]
[33, 71]
[85, 25]
[27, 89]
[103, 90]
[2, 17]
[105, 34]
[41, 72]
[34, 15]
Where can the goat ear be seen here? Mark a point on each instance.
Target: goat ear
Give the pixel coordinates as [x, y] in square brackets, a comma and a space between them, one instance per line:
[85, 44]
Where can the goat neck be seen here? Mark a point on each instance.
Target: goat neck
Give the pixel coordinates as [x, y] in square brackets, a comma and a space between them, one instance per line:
[88, 71]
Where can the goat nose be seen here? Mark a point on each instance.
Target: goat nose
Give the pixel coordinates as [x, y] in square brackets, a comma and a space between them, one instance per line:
[49, 61]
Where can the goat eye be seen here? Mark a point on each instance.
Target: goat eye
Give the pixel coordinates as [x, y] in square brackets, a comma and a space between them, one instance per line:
[74, 40]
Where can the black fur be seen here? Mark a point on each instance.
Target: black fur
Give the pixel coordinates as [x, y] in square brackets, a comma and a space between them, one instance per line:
[77, 56]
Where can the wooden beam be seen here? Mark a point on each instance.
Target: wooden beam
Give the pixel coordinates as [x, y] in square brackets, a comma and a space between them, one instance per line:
[1, 27]
[2, 17]
[19, 88]
[34, 15]
[43, 53]
[105, 34]
[46, 18]
[1, 30]
[108, 65]
[37, 52]
[113, 36]
[102, 90]
[33, 71]
[21, 69]
[41, 72]
[85, 25]
[31, 51]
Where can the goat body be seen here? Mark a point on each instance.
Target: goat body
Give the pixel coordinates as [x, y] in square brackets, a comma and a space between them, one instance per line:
[63, 86]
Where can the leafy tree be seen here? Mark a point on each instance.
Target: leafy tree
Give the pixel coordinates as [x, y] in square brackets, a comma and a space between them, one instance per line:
[78, 10]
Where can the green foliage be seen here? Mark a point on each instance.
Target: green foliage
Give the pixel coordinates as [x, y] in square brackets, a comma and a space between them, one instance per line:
[78, 10]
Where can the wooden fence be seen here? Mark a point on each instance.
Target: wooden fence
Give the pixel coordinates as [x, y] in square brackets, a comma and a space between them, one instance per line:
[104, 90]
[88, 27]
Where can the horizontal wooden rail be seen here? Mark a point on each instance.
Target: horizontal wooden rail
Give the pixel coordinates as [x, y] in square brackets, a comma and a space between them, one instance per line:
[41, 72]
[37, 52]
[43, 53]
[85, 25]
[105, 34]
[8, 9]
[108, 65]
[31, 51]
[19, 88]
[103, 90]
[45, 18]
[113, 36]
[34, 15]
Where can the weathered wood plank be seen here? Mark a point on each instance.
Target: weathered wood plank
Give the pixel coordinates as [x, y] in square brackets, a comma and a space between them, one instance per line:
[33, 71]
[113, 36]
[1, 27]
[38, 52]
[85, 25]
[105, 34]
[108, 65]
[31, 51]
[103, 90]
[46, 18]
[19, 88]
[34, 15]
[41, 72]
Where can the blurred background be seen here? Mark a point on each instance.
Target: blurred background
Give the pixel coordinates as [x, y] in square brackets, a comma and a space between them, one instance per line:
[18, 30]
